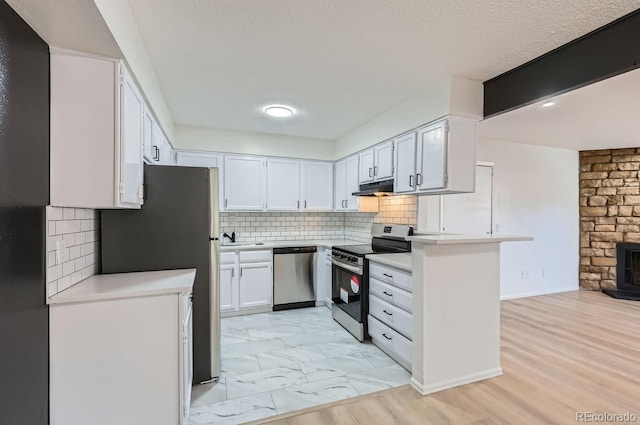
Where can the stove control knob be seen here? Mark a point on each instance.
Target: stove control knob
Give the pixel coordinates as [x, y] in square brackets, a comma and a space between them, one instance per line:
[353, 259]
[343, 255]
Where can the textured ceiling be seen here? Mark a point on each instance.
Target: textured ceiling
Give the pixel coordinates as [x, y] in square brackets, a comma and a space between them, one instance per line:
[342, 62]
[603, 115]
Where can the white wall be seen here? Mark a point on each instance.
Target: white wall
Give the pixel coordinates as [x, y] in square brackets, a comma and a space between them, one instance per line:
[536, 194]
[119, 18]
[217, 140]
[451, 95]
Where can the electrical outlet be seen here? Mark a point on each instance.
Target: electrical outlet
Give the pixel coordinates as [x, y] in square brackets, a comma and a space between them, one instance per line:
[497, 227]
[524, 274]
[61, 256]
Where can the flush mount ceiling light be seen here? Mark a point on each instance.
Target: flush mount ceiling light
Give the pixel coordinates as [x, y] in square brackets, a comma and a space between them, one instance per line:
[278, 111]
[548, 104]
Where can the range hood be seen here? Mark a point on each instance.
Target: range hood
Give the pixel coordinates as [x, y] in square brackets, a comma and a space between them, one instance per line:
[381, 188]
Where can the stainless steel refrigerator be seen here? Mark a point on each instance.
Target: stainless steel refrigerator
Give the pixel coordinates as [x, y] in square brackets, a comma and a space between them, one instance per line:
[176, 228]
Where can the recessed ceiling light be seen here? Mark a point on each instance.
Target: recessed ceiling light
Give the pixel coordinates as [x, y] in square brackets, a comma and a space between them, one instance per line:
[278, 111]
[548, 104]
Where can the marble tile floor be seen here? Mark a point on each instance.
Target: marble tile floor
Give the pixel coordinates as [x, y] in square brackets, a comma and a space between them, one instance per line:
[273, 363]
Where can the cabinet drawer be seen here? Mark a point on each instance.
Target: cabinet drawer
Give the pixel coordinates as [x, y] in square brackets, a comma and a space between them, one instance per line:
[391, 276]
[390, 315]
[256, 256]
[227, 258]
[391, 294]
[394, 344]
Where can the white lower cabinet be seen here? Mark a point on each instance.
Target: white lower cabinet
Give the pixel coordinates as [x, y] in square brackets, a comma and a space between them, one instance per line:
[390, 320]
[125, 361]
[256, 285]
[246, 282]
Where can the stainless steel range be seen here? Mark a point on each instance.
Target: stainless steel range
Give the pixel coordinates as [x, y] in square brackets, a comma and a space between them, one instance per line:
[350, 274]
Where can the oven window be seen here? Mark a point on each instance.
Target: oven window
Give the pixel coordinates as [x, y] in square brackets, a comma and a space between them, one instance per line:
[348, 291]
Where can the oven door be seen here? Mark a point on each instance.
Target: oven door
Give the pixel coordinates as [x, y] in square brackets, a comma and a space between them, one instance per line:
[348, 292]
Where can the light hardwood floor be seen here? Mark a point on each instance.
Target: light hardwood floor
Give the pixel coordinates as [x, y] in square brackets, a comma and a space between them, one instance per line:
[561, 354]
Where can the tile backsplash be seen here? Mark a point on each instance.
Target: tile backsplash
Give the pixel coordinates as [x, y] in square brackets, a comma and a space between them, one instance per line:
[78, 230]
[275, 226]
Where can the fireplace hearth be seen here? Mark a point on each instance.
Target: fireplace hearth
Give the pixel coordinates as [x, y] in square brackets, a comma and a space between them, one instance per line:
[627, 272]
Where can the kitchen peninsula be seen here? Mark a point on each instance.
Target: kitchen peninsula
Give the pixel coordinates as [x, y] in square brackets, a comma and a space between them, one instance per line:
[456, 309]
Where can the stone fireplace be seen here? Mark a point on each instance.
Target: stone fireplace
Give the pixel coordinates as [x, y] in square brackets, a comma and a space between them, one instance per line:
[609, 213]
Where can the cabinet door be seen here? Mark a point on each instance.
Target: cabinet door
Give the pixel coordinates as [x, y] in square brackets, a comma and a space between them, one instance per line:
[131, 170]
[207, 160]
[405, 160]
[383, 168]
[228, 288]
[317, 186]
[256, 285]
[147, 135]
[469, 213]
[353, 184]
[157, 144]
[283, 185]
[432, 167]
[340, 185]
[167, 152]
[366, 165]
[244, 179]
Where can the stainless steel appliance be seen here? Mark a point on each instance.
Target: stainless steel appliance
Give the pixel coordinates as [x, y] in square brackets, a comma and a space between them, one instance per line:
[293, 283]
[350, 275]
[176, 228]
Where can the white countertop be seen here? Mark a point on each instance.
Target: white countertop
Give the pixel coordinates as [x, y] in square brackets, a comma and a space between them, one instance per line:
[449, 239]
[400, 261]
[127, 285]
[278, 244]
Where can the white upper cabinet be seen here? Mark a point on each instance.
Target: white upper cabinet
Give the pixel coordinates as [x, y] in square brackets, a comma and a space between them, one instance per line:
[244, 183]
[405, 160]
[432, 157]
[346, 182]
[367, 162]
[340, 185]
[283, 184]
[353, 185]
[317, 186]
[96, 134]
[444, 156]
[131, 115]
[383, 168]
[376, 163]
[148, 134]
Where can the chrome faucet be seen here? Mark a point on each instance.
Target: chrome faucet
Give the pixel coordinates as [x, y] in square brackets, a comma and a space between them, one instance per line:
[232, 238]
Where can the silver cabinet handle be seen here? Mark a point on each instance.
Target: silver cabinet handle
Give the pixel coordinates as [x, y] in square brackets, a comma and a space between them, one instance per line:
[298, 204]
[387, 313]
[370, 170]
[387, 294]
[233, 273]
[305, 204]
[388, 275]
[375, 170]
[419, 179]
[346, 203]
[240, 271]
[225, 202]
[388, 337]
[411, 180]
[156, 155]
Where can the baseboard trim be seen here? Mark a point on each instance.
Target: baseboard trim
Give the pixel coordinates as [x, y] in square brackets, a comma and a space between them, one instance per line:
[538, 293]
[246, 311]
[456, 382]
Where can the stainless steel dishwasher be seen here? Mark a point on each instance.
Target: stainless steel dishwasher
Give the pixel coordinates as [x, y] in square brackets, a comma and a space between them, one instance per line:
[293, 282]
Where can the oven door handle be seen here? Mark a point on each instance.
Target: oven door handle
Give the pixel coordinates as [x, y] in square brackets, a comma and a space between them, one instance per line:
[352, 269]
